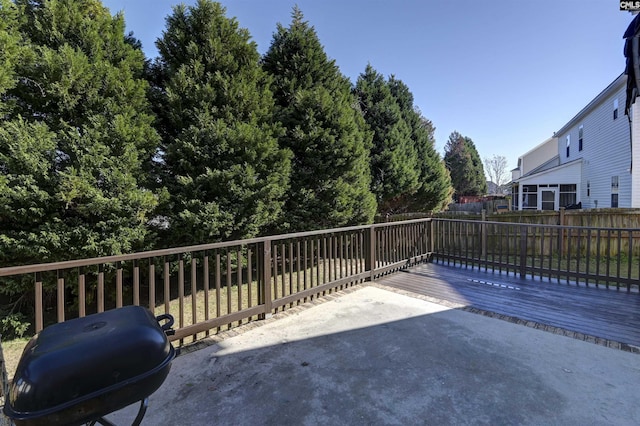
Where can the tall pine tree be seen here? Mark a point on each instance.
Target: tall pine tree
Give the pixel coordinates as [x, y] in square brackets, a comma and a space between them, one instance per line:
[77, 137]
[394, 159]
[435, 188]
[330, 174]
[464, 164]
[75, 140]
[10, 46]
[223, 168]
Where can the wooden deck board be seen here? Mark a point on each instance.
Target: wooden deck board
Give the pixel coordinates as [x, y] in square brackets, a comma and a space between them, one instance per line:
[599, 312]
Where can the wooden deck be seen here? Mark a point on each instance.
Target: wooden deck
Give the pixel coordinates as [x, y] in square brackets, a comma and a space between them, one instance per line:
[585, 312]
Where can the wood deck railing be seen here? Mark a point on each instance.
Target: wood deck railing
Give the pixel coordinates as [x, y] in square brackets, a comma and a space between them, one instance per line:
[217, 286]
[593, 256]
[212, 287]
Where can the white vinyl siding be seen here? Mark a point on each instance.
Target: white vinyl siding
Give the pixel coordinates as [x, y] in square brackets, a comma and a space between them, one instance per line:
[607, 152]
[635, 176]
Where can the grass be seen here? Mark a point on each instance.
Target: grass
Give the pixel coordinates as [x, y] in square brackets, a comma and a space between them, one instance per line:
[232, 298]
[12, 351]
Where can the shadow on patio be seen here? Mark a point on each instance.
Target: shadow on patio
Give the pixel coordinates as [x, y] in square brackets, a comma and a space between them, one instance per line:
[373, 356]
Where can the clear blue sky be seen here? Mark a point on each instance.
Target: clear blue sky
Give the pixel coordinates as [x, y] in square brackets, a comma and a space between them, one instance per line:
[506, 73]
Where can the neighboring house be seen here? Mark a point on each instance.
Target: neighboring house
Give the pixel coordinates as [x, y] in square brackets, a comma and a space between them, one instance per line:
[588, 162]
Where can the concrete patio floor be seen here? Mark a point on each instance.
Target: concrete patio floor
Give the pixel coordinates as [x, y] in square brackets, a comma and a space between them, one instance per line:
[370, 356]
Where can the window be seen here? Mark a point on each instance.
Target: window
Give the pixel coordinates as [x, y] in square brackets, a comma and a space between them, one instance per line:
[615, 108]
[567, 195]
[588, 189]
[530, 197]
[568, 144]
[580, 138]
[615, 183]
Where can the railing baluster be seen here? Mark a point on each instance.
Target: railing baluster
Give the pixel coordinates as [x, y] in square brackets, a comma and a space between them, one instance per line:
[523, 251]
[218, 283]
[167, 285]
[598, 258]
[82, 296]
[249, 277]
[194, 292]
[317, 263]
[290, 272]
[228, 282]
[152, 286]
[181, 293]
[342, 258]
[618, 274]
[38, 302]
[100, 288]
[568, 246]
[205, 286]
[283, 272]
[298, 266]
[275, 271]
[629, 259]
[578, 255]
[239, 279]
[118, 284]
[608, 255]
[60, 297]
[312, 274]
[306, 265]
[588, 259]
[136, 283]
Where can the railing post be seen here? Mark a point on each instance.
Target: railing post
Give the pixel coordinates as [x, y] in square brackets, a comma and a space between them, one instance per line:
[370, 253]
[432, 238]
[265, 287]
[523, 251]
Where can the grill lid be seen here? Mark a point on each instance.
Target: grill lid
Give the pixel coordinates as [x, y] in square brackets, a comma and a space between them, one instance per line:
[69, 361]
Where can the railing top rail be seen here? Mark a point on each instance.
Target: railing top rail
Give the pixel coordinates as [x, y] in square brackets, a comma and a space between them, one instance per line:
[537, 225]
[69, 264]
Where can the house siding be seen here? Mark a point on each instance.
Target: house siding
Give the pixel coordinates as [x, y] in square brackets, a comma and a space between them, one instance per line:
[539, 155]
[606, 149]
[635, 171]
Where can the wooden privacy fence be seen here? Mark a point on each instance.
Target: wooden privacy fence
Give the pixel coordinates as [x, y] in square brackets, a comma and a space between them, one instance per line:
[214, 286]
[594, 256]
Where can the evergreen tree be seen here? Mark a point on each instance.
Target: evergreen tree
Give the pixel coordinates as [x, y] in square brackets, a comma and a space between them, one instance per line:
[435, 188]
[10, 47]
[76, 137]
[394, 160]
[464, 164]
[224, 170]
[330, 175]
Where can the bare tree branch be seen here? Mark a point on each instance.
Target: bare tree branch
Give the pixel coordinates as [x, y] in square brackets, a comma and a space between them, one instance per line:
[496, 168]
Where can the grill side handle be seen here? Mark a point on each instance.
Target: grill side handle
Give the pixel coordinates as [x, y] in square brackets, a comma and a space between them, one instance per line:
[166, 327]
